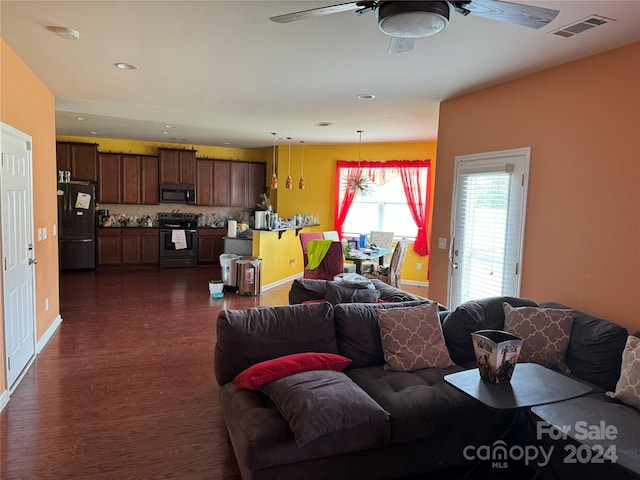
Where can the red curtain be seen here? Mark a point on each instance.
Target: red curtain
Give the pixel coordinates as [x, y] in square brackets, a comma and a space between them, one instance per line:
[343, 206]
[414, 174]
[418, 199]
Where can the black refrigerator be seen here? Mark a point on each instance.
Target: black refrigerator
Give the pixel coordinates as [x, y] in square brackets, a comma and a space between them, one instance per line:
[76, 226]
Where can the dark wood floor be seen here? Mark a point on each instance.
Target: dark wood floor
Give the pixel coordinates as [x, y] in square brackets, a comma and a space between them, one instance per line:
[125, 388]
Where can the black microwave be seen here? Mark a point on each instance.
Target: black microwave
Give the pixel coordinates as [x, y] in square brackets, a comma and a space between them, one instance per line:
[177, 193]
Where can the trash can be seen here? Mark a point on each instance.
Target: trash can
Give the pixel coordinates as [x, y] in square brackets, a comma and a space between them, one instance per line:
[228, 269]
[249, 276]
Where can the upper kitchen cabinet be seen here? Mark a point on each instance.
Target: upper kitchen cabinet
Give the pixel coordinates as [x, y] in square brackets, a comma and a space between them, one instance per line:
[213, 185]
[204, 186]
[247, 182]
[109, 178]
[221, 182]
[125, 178]
[177, 166]
[78, 158]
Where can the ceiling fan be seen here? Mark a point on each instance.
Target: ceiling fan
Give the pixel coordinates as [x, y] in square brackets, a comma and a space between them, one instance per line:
[405, 20]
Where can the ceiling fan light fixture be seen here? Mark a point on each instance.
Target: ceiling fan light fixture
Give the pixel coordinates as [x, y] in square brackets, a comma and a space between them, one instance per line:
[413, 19]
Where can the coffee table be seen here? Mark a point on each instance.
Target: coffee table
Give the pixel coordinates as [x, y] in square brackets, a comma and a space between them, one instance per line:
[531, 384]
[600, 424]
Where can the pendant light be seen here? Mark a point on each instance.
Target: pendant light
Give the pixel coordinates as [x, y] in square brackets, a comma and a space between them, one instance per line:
[301, 181]
[289, 183]
[274, 177]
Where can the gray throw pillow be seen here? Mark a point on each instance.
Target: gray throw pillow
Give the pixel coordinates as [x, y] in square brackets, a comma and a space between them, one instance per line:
[318, 403]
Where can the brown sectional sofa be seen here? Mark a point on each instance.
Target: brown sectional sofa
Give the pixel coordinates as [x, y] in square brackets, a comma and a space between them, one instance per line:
[417, 423]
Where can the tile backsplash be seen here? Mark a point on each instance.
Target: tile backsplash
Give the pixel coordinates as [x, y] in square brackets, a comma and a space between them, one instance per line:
[241, 215]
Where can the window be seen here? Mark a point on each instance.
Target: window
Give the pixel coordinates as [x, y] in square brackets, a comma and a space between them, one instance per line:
[386, 196]
[384, 209]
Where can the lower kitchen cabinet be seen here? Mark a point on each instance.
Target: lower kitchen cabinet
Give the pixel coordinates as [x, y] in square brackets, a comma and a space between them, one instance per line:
[128, 246]
[210, 245]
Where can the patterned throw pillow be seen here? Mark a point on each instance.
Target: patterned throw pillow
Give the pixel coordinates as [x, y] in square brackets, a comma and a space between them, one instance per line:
[544, 332]
[628, 387]
[412, 338]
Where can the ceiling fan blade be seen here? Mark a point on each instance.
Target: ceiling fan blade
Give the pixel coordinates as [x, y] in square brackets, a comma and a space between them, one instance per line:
[399, 45]
[317, 12]
[515, 13]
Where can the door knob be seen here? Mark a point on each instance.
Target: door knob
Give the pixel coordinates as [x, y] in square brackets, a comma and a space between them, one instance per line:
[33, 261]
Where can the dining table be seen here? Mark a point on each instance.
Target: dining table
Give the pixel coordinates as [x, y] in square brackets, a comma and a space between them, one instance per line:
[365, 254]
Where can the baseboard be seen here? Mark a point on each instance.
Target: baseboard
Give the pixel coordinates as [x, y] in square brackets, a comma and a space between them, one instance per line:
[281, 282]
[415, 282]
[4, 399]
[48, 334]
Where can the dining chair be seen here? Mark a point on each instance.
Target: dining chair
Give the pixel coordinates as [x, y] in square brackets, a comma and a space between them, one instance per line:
[379, 239]
[391, 274]
[332, 264]
[305, 238]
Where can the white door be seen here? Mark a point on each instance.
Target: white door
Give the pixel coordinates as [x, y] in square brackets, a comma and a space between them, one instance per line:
[487, 225]
[17, 250]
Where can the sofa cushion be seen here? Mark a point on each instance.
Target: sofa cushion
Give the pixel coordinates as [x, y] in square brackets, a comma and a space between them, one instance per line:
[305, 289]
[358, 333]
[471, 316]
[412, 338]
[422, 404]
[595, 348]
[318, 403]
[544, 333]
[628, 387]
[337, 293]
[254, 377]
[262, 438]
[247, 337]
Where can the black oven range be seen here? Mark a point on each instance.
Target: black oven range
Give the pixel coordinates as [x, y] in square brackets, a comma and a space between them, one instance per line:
[178, 240]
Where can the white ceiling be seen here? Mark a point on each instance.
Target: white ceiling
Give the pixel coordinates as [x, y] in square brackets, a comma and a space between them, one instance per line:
[222, 74]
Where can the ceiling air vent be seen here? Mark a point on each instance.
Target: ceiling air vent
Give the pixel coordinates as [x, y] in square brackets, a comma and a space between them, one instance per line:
[582, 26]
[323, 124]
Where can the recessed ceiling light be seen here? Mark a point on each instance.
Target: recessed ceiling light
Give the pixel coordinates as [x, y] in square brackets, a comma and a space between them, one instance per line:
[126, 66]
[80, 118]
[64, 32]
[93, 132]
[366, 96]
[165, 133]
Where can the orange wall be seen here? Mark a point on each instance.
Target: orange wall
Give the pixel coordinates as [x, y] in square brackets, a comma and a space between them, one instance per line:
[27, 105]
[582, 121]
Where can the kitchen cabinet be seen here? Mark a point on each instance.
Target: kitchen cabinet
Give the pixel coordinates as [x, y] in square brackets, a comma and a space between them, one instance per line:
[108, 246]
[140, 246]
[210, 245]
[247, 182]
[177, 166]
[78, 158]
[126, 178]
[128, 246]
[204, 184]
[213, 182]
[221, 180]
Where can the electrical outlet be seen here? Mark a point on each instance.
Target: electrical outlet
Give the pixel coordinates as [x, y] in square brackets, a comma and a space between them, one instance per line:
[292, 261]
[442, 243]
[418, 266]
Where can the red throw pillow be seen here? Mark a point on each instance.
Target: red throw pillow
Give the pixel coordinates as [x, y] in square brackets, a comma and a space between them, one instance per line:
[257, 375]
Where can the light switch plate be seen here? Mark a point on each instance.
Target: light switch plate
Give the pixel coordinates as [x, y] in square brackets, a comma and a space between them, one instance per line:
[39, 234]
[442, 243]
